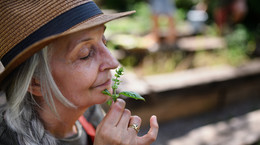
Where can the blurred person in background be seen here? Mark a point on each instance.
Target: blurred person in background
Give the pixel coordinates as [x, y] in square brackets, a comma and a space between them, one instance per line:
[198, 16]
[229, 12]
[163, 8]
[56, 65]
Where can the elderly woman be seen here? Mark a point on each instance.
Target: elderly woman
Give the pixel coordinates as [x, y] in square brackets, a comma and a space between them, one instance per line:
[56, 65]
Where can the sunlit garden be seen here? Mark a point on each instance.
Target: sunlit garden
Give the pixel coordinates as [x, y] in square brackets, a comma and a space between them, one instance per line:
[129, 40]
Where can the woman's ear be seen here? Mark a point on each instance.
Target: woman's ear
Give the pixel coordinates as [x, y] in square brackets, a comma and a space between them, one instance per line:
[35, 87]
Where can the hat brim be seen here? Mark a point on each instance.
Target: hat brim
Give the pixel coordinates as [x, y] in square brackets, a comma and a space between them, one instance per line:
[32, 49]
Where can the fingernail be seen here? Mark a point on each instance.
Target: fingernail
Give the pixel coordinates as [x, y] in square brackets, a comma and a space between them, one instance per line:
[155, 117]
[121, 102]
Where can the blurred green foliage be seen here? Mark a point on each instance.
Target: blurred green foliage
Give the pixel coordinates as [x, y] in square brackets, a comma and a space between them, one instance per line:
[237, 38]
[119, 5]
[138, 24]
[123, 5]
[185, 4]
[240, 42]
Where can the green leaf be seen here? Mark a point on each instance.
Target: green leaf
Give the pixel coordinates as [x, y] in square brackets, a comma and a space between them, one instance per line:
[115, 96]
[132, 95]
[114, 86]
[115, 80]
[109, 102]
[106, 92]
[120, 71]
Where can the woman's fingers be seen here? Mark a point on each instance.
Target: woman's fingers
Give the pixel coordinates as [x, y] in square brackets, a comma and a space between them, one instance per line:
[134, 124]
[119, 127]
[115, 113]
[152, 133]
[124, 121]
[126, 129]
[107, 131]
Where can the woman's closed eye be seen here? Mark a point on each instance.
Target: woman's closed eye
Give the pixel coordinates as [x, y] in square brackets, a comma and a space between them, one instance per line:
[84, 58]
[86, 55]
[87, 49]
[85, 52]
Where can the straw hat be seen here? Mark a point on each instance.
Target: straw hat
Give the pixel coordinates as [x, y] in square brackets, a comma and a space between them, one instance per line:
[26, 26]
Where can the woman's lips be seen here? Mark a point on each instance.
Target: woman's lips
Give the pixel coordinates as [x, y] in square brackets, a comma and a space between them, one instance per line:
[105, 84]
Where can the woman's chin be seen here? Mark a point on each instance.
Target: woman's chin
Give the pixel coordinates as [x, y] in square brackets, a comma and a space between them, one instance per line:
[104, 99]
[107, 98]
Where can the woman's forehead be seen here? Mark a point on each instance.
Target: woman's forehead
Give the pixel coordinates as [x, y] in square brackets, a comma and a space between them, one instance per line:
[97, 30]
[66, 44]
[79, 36]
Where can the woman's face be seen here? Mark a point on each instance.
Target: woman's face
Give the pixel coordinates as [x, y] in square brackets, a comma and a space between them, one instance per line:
[81, 66]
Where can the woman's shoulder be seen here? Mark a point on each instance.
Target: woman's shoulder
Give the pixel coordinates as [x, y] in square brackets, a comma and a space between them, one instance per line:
[7, 136]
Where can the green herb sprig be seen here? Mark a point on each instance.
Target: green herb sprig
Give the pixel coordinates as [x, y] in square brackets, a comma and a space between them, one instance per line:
[114, 96]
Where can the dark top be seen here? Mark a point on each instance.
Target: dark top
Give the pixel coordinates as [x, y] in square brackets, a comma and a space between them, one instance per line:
[8, 137]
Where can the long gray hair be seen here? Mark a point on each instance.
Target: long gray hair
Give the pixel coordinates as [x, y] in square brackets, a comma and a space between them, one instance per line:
[20, 113]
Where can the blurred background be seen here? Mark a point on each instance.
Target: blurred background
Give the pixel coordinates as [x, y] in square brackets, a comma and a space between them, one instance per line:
[197, 65]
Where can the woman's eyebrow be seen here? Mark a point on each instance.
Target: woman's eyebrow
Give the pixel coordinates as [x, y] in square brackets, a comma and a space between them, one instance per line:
[85, 39]
[73, 45]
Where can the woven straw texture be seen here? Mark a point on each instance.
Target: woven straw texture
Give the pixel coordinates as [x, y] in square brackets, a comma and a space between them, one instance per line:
[20, 18]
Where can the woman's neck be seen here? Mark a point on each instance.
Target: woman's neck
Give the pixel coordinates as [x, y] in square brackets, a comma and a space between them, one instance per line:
[61, 126]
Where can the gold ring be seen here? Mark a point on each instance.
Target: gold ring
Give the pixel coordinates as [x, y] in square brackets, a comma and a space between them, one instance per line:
[135, 127]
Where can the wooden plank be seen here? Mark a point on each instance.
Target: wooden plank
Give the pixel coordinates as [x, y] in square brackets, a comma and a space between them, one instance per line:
[197, 43]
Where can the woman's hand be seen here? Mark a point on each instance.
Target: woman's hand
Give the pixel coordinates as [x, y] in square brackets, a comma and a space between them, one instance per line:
[115, 130]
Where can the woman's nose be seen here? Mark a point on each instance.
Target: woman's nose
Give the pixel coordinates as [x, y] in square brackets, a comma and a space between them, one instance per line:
[108, 60]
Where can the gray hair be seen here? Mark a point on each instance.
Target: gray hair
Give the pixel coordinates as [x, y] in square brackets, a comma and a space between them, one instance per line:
[20, 113]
